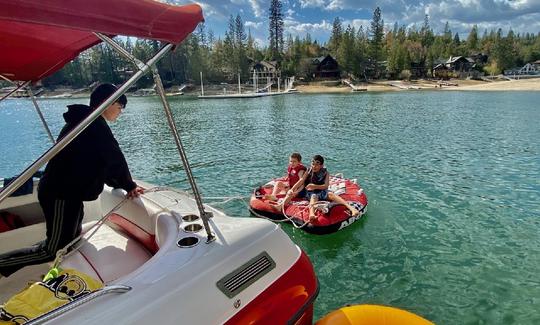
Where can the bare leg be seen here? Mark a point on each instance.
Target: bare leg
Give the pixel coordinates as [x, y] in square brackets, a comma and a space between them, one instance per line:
[287, 199]
[338, 199]
[280, 186]
[312, 202]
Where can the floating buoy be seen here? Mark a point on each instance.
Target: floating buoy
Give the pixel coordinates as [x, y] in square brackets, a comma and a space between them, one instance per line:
[372, 315]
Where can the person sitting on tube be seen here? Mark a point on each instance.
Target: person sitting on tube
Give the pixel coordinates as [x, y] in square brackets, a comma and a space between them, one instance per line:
[313, 186]
[295, 171]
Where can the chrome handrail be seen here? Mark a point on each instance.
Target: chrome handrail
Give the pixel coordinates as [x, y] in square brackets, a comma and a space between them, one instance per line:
[205, 215]
[76, 303]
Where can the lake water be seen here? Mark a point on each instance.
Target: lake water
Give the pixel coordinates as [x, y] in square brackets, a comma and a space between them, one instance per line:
[453, 181]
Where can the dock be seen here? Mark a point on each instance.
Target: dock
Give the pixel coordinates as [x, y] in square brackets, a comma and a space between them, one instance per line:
[353, 87]
[256, 93]
[402, 85]
[248, 95]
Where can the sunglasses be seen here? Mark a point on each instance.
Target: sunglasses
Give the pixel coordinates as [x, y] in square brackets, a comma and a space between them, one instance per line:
[315, 162]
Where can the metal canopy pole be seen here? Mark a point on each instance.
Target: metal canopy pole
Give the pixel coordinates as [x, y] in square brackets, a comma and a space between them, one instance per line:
[40, 114]
[138, 63]
[205, 216]
[13, 186]
[22, 85]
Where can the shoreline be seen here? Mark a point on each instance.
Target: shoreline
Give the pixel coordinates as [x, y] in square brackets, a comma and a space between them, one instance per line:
[532, 84]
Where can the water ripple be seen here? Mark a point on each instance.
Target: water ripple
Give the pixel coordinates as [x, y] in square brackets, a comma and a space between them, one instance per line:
[453, 181]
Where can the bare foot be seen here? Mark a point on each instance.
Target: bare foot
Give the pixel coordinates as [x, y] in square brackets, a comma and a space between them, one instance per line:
[354, 212]
[270, 197]
[312, 217]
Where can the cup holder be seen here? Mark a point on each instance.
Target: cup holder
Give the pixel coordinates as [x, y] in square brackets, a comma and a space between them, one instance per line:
[187, 242]
[194, 227]
[190, 217]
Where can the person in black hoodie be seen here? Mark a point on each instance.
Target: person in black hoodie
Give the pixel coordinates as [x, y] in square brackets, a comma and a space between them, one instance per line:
[76, 174]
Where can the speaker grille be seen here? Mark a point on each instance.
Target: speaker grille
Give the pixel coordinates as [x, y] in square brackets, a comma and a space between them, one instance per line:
[241, 278]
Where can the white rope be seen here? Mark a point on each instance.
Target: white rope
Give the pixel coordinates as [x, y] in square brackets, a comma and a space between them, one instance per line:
[290, 219]
[319, 205]
[225, 199]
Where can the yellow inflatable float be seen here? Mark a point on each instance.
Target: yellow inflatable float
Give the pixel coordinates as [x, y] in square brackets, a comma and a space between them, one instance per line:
[372, 315]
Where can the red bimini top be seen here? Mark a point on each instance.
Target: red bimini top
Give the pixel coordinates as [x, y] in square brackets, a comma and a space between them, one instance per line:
[38, 37]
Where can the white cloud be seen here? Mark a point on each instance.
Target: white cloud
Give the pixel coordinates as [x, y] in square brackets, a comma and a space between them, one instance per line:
[356, 23]
[209, 10]
[296, 28]
[256, 6]
[520, 15]
[312, 3]
[336, 5]
[254, 25]
[289, 13]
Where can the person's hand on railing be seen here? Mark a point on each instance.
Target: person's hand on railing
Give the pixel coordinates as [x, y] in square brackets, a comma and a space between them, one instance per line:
[136, 192]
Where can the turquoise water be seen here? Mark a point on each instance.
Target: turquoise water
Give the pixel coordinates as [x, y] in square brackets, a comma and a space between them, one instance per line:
[452, 178]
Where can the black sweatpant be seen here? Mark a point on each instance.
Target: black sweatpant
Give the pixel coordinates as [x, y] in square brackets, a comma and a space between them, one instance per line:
[63, 220]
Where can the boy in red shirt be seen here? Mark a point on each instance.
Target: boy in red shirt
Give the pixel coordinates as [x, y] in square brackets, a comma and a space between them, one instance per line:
[295, 171]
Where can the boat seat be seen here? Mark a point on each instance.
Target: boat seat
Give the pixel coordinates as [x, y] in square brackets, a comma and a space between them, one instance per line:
[116, 249]
[21, 237]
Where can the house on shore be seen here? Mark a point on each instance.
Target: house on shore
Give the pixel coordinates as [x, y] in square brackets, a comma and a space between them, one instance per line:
[531, 68]
[325, 67]
[460, 64]
[459, 67]
[265, 71]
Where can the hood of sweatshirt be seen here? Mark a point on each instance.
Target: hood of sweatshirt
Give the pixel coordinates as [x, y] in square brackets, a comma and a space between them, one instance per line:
[76, 113]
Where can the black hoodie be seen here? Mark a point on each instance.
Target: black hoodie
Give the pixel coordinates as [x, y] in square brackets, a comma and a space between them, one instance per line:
[92, 159]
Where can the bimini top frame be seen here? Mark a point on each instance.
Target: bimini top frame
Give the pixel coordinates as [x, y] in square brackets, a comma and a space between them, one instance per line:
[56, 31]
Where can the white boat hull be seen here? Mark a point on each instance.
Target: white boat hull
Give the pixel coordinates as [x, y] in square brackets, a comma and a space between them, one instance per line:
[177, 284]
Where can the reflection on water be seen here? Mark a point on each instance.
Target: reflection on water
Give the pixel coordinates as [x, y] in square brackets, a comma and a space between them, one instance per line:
[453, 181]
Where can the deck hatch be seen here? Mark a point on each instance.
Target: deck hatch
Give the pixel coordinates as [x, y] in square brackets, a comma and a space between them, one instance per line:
[241, 278]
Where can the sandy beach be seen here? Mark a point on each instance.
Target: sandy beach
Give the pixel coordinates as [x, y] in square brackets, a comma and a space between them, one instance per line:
[397, 85]
[519, 85]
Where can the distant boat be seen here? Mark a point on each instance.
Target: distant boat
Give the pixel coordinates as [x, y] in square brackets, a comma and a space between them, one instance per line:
[64, 95]
[178, 93]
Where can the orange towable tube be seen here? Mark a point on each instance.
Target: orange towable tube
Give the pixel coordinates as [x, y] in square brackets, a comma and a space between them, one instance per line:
[372, 315]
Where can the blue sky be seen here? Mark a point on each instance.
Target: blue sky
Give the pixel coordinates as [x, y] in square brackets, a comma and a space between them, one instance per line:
[316, 16]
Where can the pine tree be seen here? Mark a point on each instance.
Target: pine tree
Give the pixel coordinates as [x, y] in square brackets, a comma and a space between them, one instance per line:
[240, 47]
[276, 30]
[376, 44]
[335, 37]
[472, 40]
[426, 33]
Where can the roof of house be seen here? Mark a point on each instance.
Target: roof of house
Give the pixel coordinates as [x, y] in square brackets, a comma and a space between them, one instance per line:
[320, 59]
[454, 59]
[271, 65]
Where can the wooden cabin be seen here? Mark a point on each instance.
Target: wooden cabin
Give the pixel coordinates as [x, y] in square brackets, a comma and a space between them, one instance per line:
[325, 67]
[459, 64]
[265, 71]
